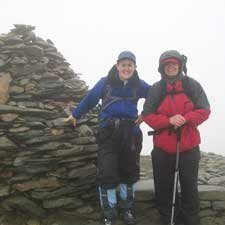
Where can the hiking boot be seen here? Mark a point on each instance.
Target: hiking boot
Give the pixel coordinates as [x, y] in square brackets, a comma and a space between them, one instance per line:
[109, 216]
[107, 221]
[129, 218]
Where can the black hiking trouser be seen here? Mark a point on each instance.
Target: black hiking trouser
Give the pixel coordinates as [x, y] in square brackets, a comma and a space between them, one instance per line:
[118, 155]
[187, 207]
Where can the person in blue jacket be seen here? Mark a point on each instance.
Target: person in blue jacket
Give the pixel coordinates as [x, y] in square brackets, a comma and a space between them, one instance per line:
[119, 137]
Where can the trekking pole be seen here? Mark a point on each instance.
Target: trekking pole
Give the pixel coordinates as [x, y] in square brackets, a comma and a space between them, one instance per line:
[178, 133]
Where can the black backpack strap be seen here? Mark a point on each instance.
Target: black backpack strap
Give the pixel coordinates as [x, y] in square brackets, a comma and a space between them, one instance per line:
[187, 88]
[163, 93]
[109, 99]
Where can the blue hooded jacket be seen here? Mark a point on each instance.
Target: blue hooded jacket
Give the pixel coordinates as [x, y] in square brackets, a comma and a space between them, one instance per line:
[124, 107]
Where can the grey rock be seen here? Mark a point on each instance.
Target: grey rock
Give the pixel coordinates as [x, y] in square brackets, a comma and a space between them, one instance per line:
[63, 203]
[205, 204]
[51, 84]
[47, 138]
[53, 194]
[20, 178]
[217, 181]
[4, 191]
[16, 90]
[22, 70]
[213, 220]
[29, 37]
[86, 171]
[55, 55]
[35, 125]
[144, 190]
[8, 117]
[23, 204]
[19, 60]
[84, 140]
[59, 122]
[24, 111]
[6, 144]
[85, 131]
[19, 129]
[208, 213]
[19, 161]
[52, 146]
[218, 205]
[34, 50]
[27, 119]
[22, 28]
[34, 170]
[21, 97]
[90, 148]
[33, 222]
[207, 192]
[38, 183]
[13, 40]
[23, 136]
[12, 48]
[85, 210]
[76, 150]
[79, 158]
[42, 43]
[2, 62]
[4, 153]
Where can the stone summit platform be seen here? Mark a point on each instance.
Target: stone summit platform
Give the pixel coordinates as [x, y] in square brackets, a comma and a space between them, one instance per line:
[211, 193]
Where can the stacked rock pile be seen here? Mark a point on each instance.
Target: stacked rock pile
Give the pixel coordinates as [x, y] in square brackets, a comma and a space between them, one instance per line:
[45, 163]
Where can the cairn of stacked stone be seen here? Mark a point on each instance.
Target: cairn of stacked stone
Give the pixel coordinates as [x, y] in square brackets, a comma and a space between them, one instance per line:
[45, 163]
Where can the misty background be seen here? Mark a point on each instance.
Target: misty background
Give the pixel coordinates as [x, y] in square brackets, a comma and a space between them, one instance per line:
[90, 34]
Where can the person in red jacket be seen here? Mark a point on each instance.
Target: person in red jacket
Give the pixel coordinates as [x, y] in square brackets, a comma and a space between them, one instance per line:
[175, 102]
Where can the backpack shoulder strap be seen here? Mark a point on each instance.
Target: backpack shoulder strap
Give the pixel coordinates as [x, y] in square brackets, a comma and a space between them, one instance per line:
[109, 99]
[187, 88]
[162, 93]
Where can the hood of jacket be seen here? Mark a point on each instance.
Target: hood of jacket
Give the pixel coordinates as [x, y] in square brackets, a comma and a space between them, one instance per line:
[172, 54]
[114, 80]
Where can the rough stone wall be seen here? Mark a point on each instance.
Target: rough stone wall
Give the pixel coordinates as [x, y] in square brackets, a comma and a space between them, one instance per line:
[212, 204]
[45, 163]
[211, 187]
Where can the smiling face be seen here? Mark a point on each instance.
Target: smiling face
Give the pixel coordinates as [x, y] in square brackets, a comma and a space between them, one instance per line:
[171, 69]
[126, 68]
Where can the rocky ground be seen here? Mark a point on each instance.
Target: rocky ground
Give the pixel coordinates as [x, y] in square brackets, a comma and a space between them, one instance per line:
[212, 171]
[69, 218]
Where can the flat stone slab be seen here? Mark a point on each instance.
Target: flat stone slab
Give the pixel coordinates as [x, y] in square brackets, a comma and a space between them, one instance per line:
[210, 192]
[145, 185]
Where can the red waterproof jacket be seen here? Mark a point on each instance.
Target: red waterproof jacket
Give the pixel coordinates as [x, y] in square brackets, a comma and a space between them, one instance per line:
[195, 110]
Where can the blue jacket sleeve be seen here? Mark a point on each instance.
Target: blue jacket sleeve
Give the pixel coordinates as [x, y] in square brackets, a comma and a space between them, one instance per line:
[90, 100]
[143, 92]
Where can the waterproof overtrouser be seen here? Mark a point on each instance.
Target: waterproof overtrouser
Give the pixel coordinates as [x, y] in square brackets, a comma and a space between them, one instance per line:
[187, 206]
[118, 164]
[118, 155]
